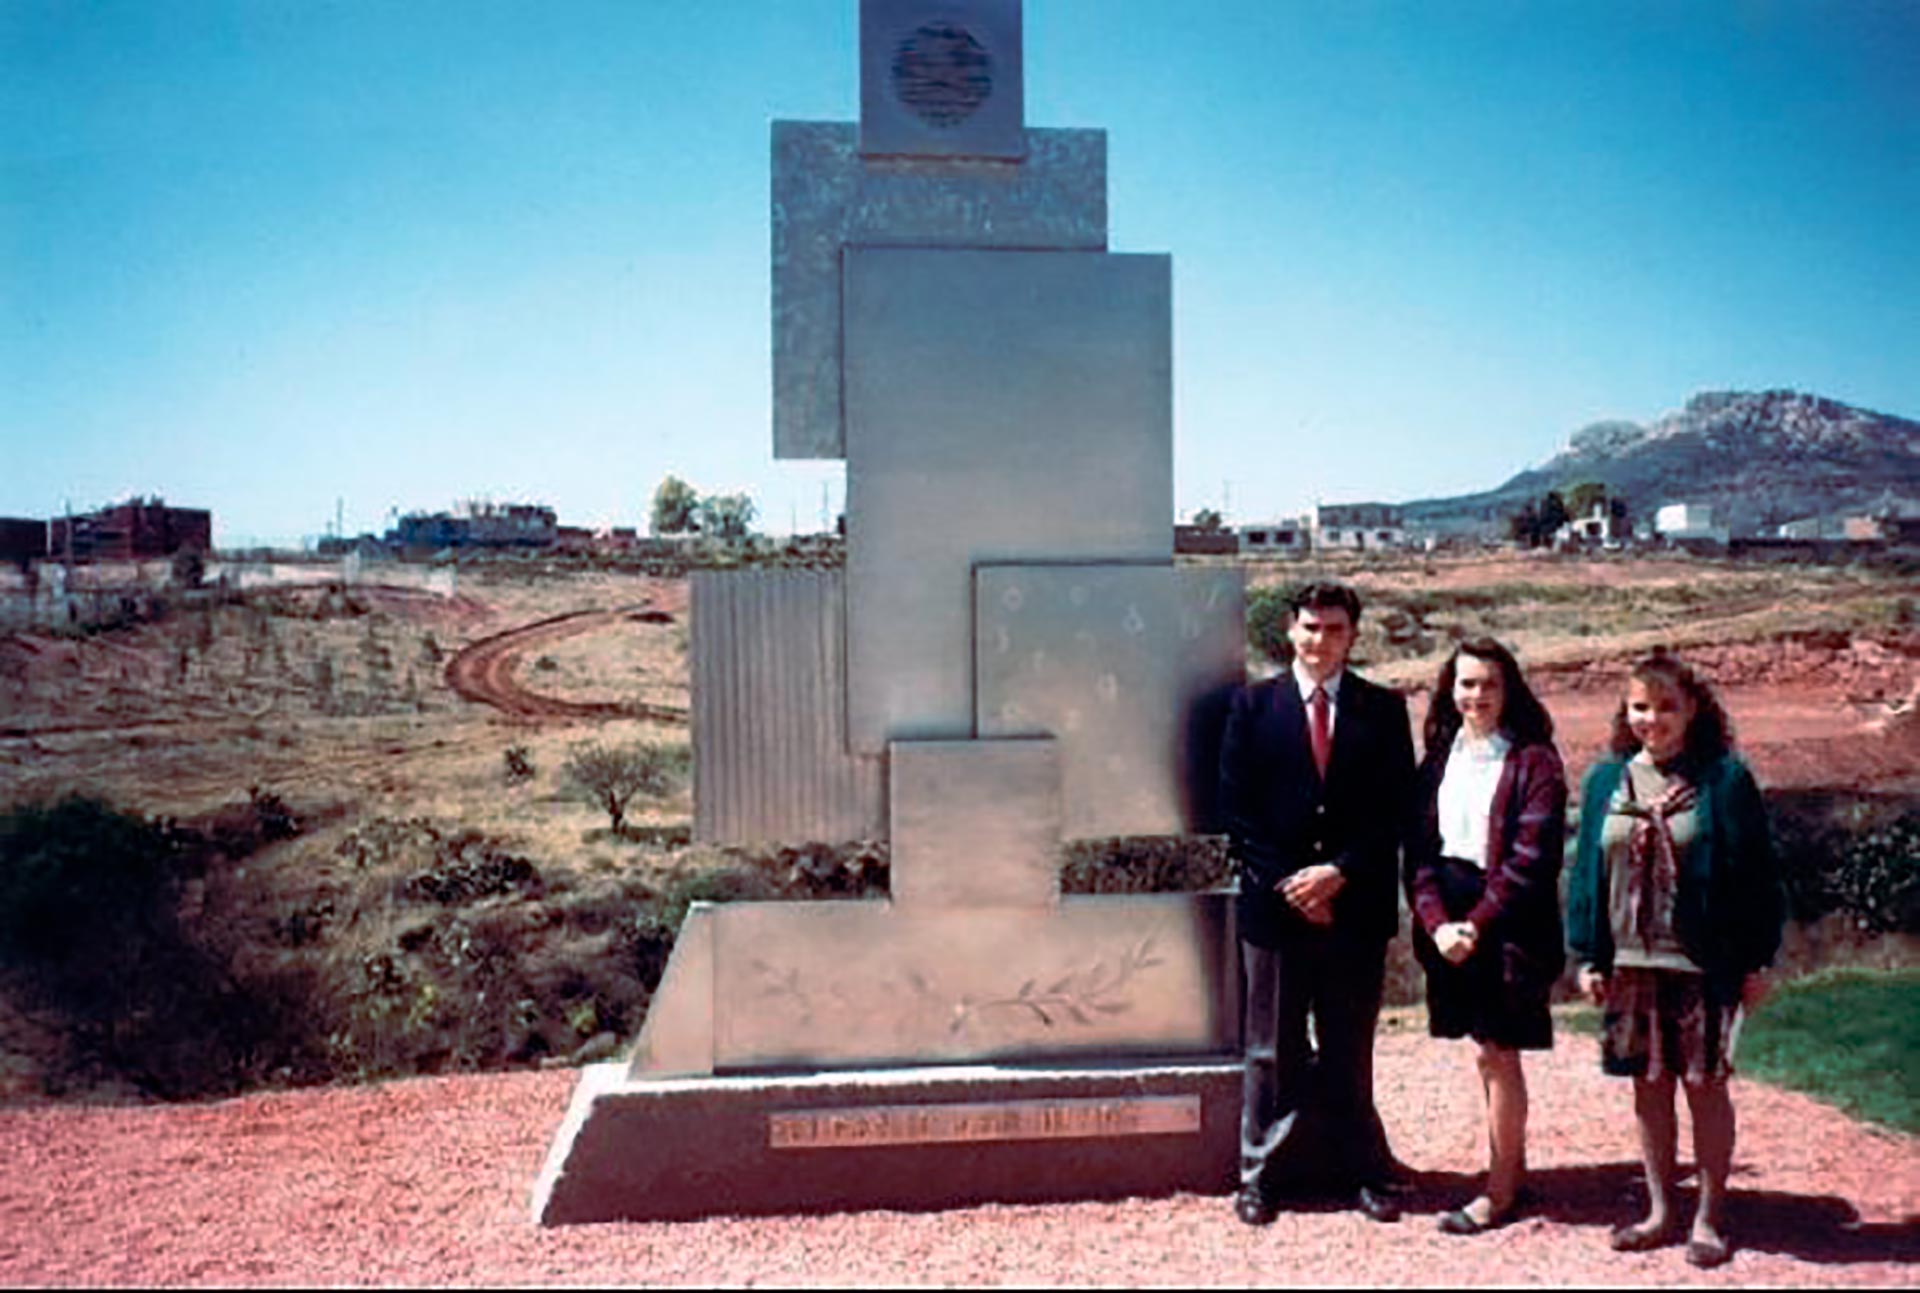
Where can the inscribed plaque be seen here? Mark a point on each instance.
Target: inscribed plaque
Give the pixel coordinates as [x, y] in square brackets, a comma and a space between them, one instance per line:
[940, 1124]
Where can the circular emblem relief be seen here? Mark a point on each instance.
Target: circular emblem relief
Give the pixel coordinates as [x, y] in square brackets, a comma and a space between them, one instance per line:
[942, 74]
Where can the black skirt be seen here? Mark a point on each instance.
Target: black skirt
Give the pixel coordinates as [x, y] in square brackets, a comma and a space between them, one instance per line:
[1499, 994]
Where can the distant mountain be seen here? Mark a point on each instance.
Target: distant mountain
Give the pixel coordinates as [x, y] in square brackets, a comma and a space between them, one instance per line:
[1759, 458]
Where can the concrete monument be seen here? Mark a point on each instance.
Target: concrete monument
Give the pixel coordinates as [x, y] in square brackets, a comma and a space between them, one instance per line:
[1009, 660]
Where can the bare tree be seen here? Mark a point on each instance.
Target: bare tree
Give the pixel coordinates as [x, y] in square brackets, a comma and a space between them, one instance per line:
[609, 776]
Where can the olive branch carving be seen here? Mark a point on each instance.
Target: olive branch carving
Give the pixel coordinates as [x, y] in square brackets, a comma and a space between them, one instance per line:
[777, 984]
[1076, 995]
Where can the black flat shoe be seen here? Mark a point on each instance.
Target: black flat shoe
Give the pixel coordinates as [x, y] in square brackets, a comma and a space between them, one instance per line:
[1253, 1207]
[1376, 1205]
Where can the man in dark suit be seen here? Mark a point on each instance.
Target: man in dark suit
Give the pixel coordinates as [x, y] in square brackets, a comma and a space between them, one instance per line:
[1316, 771]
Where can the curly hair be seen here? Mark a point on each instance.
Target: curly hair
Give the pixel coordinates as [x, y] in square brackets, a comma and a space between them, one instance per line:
[1522, 716]
[1709, 734]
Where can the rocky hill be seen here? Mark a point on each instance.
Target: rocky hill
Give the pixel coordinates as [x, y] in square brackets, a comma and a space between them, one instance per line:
[1759, 458]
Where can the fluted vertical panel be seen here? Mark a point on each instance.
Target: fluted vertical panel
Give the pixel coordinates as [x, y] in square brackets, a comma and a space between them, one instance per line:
[769, 713]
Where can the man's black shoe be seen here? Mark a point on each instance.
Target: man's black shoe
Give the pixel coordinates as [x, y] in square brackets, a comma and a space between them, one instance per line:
[1376, 1205]
[1253, 1206]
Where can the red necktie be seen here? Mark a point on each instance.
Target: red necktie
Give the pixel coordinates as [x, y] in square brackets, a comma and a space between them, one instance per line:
[1320, 731]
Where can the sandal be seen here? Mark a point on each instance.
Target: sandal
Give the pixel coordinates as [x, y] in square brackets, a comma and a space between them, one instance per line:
[1640, 1239]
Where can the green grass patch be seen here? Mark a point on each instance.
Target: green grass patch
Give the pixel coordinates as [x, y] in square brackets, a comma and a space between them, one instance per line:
[1848, 1037]
[1580, 1018]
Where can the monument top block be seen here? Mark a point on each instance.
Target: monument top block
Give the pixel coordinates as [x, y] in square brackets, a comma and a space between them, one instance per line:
[941, 78]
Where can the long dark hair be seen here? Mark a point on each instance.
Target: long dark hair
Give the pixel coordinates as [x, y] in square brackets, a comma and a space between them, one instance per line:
[1522, 716]
[1709, 735]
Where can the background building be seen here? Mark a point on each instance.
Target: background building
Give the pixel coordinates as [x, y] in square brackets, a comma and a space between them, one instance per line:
[1276, 536]
[1601, 524]
[22, 540]
[131, 531]
[1689, 523]
[1199, 540]
[1356, 527]
[479, 525]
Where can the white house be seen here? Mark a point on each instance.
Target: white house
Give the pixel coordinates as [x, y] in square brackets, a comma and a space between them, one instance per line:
[1598, 527]
[1288, 537]
[1357, 526]
[1688, 522]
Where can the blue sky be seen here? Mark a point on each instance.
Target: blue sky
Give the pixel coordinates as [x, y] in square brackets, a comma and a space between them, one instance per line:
[259, 256]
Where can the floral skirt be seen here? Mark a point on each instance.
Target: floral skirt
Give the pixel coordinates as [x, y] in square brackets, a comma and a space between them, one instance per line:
[1659, 1023]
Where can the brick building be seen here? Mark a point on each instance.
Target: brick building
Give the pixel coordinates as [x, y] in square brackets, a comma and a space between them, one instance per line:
[1195, 539]
[22, 540]
[130, 531]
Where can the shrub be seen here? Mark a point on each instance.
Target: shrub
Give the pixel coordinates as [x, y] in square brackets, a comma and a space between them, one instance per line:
[1267, 619]
[789, 873]
[1853, 853]
[609, 776]
[82, 883]
[1146, 864]
[275, 820]
[468, 867]
[518, 763]
[90, 930]
[666, 909]
[1877, 876]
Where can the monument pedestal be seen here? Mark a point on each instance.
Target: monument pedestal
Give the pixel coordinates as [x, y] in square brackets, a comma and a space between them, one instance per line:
[907, 1138]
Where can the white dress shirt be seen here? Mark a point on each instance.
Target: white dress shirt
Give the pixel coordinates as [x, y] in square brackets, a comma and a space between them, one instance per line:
[1305, 682]
[1466, 794]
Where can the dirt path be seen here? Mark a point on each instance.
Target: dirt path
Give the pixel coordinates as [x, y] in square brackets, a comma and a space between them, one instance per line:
[485, 671]
[427, 1182]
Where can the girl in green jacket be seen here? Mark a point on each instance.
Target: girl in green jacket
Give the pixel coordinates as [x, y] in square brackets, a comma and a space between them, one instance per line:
[1674, 908]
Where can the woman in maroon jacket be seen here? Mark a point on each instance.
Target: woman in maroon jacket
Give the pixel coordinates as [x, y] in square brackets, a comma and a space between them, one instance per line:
[1482, 874]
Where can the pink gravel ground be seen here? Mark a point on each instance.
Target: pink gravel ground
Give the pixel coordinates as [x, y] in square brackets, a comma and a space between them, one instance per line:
[427, 1181]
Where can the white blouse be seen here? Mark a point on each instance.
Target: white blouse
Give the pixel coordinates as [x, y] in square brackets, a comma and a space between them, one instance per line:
[1466, 794]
